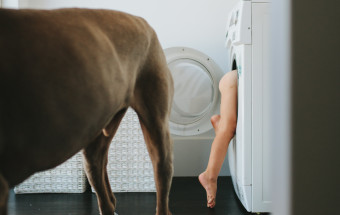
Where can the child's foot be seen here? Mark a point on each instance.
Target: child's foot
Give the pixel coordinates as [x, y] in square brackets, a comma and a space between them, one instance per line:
[214, 121]
[210, 187]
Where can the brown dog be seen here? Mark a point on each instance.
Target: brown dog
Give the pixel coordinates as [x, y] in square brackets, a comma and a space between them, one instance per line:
[66, 79]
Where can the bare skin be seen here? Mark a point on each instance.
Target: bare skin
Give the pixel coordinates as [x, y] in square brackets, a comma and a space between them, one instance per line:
[225, 127]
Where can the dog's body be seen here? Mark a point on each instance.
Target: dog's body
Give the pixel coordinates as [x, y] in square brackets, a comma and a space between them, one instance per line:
[66, 79]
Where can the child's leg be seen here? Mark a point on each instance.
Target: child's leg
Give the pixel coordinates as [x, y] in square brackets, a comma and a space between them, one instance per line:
[225, 127]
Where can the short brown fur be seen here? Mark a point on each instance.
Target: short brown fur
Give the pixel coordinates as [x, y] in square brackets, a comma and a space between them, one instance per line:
[66, 79]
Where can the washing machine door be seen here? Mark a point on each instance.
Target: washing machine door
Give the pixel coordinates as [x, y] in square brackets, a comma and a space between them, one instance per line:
[196, 99]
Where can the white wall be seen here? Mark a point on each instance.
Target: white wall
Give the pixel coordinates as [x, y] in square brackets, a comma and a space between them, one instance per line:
[198, 24]
[14, 4]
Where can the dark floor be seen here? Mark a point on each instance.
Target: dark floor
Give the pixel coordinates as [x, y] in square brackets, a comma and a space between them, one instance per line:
[187, 197]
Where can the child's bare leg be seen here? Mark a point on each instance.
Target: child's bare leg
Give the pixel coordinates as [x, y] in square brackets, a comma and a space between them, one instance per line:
[225, 127]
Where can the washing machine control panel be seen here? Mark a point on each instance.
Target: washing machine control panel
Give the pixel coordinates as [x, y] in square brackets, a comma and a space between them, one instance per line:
[238, 29]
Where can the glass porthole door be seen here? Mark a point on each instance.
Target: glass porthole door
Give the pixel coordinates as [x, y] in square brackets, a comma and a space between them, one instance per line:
[196, 96]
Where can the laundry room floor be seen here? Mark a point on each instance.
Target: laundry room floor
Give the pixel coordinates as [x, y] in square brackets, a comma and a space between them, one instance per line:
[187, 197]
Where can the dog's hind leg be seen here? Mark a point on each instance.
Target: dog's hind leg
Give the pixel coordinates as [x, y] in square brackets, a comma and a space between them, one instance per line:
[96, 158]
[3, 195]
[152, 102]
[159, 145]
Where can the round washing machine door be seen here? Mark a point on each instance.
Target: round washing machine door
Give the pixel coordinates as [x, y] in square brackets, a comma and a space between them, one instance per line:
[196, 99]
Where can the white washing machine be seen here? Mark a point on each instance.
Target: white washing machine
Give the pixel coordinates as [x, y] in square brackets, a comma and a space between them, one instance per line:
[196, 98]
[247, 39]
